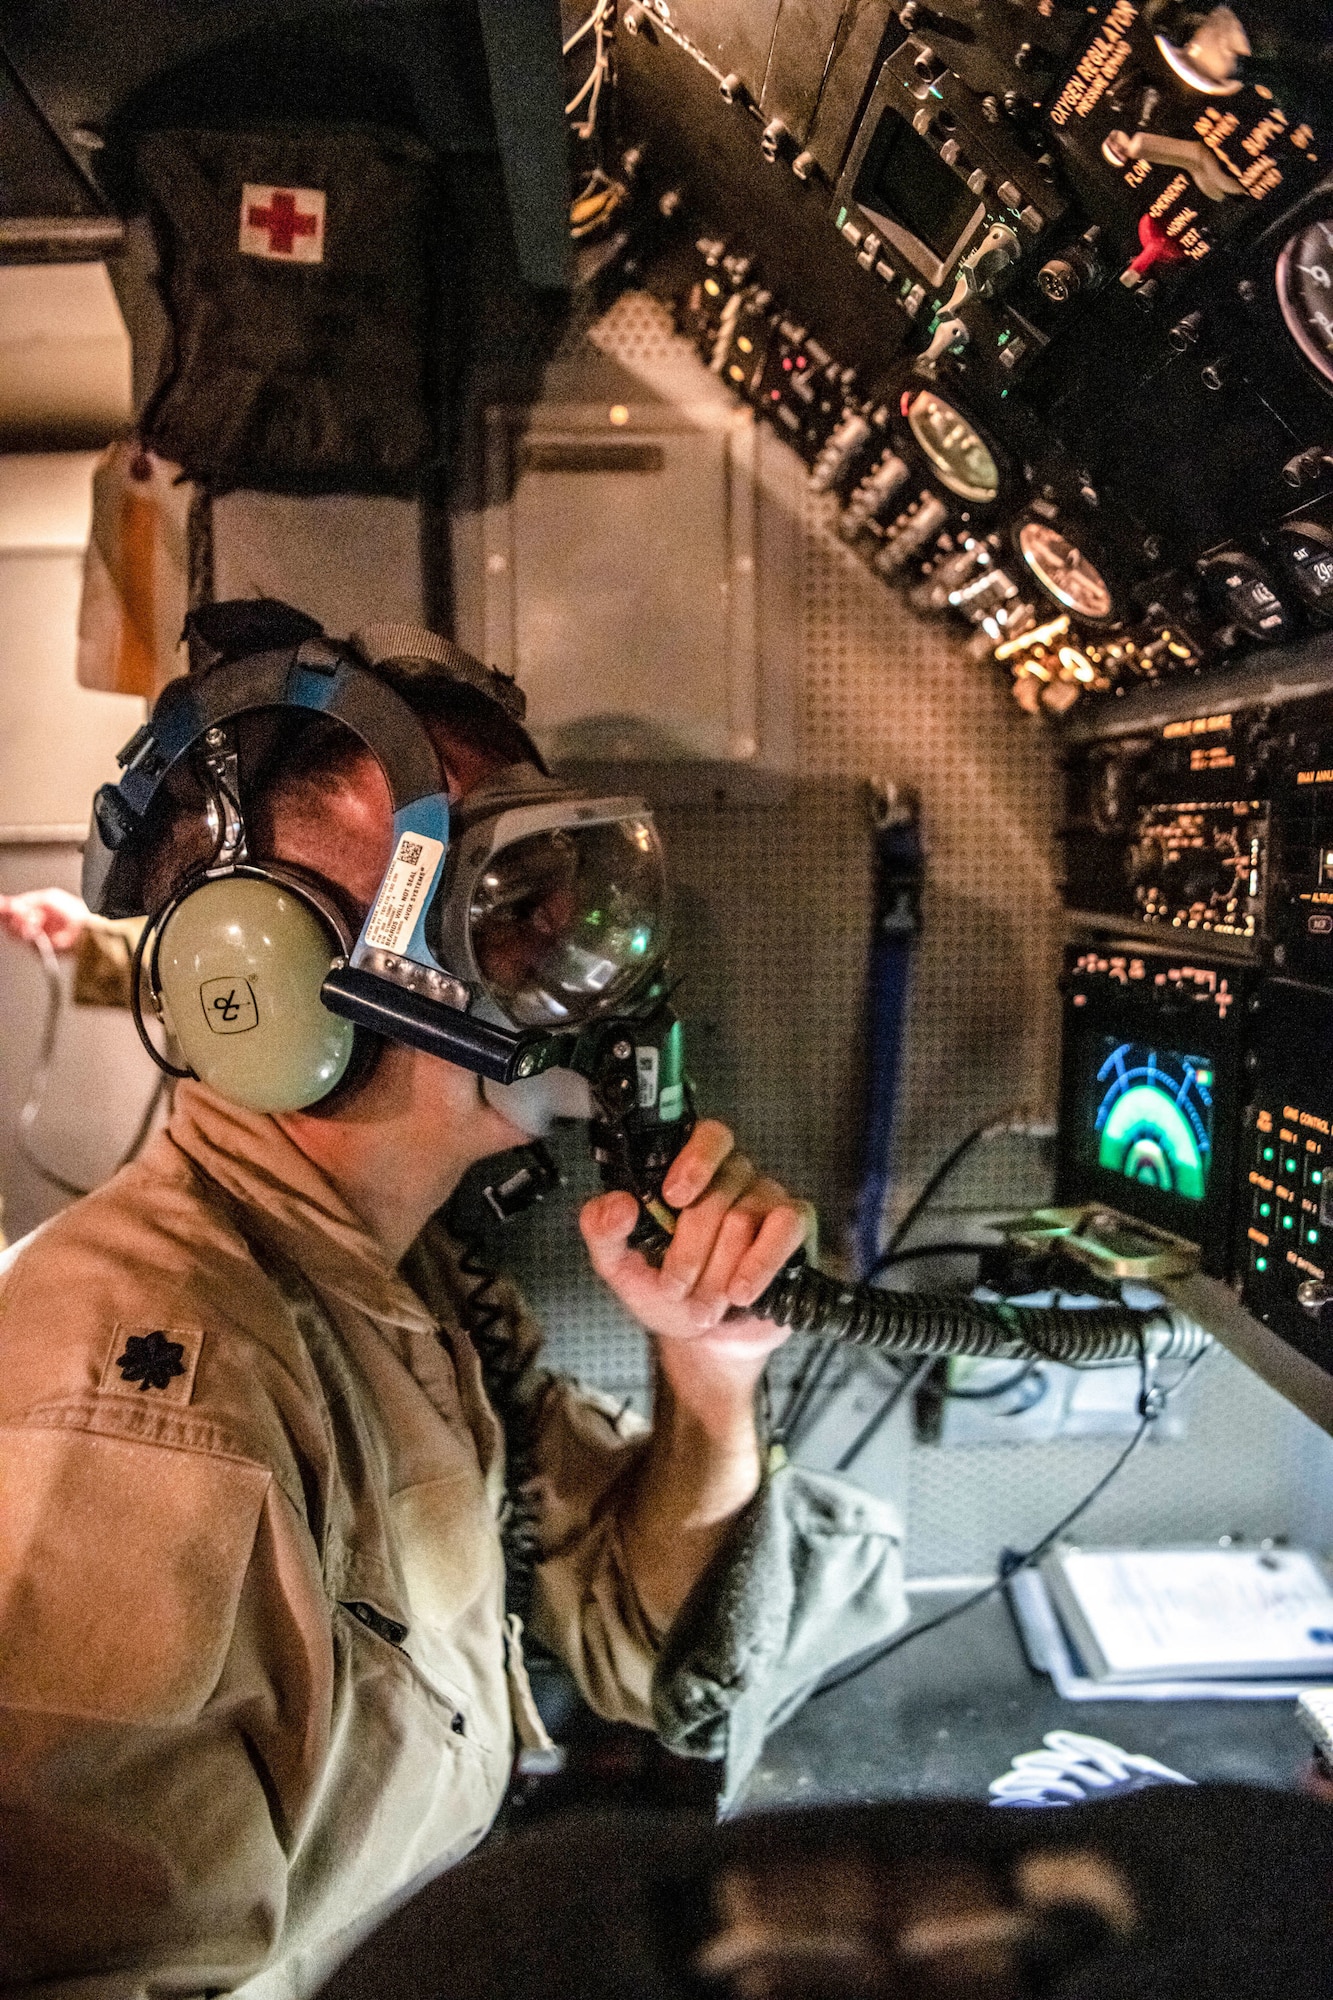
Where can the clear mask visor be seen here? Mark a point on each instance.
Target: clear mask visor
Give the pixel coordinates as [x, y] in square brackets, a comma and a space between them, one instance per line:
[563, 924]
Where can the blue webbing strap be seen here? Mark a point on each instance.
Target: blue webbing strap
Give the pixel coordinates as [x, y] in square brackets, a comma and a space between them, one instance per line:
[899, 875]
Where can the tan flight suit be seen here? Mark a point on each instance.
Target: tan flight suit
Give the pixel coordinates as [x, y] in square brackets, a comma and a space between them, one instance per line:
[255, 1671]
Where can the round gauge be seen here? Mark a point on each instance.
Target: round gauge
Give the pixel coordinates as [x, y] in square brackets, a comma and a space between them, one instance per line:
[1064, 572]
[1306, 550]
[1304, 279]
[1242, 592]
[959, 456]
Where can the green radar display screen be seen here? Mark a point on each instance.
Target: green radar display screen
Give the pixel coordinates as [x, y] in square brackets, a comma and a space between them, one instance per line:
[1153, 1117]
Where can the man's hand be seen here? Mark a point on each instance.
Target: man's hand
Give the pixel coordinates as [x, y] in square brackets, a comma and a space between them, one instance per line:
[50, 913]
[736, 1230]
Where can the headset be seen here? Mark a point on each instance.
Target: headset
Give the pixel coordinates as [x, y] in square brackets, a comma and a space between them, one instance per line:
[254, 966]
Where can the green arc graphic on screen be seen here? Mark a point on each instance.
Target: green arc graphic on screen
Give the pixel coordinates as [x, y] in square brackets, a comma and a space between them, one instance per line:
[1147, 1138]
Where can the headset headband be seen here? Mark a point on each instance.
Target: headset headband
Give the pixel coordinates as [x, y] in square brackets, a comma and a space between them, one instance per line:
[317, 676]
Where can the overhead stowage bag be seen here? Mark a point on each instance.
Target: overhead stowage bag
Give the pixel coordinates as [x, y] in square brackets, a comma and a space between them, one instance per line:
[295, 269]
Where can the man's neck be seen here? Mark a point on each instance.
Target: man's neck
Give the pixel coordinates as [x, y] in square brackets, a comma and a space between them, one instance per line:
[393, 1153]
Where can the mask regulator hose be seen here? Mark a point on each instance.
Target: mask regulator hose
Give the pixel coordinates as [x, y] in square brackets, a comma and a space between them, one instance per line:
[644, 1115]
[942, 1324]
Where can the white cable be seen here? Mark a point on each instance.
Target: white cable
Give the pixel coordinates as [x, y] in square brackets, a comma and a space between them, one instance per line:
[597, 15]
[591, 88]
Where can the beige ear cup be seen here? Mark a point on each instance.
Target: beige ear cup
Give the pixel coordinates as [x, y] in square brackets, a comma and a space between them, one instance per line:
[239, 966]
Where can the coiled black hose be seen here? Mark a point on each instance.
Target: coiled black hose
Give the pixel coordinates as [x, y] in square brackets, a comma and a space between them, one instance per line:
[503, 1369]
[939, 1324]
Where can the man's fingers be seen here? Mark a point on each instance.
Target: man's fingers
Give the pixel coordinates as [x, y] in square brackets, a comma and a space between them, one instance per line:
[696, 1163]
[754, 1241]
[606, 1222]
[781, 1234]
[697, 1226]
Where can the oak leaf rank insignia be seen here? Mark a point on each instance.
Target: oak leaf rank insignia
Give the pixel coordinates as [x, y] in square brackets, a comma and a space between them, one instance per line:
[151, 1360]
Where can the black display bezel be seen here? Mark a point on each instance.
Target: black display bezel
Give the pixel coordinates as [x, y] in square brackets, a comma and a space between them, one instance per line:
[1139, 1010]
[890, 95]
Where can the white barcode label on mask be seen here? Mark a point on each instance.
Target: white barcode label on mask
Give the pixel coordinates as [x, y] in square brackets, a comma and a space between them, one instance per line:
[404, 891]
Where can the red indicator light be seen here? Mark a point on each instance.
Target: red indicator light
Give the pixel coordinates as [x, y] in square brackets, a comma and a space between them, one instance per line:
[775, 395]
[905, 402]
[786, 362]
[801, 361]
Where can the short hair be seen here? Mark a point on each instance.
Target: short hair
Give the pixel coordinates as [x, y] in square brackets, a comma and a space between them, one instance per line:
[294, 756]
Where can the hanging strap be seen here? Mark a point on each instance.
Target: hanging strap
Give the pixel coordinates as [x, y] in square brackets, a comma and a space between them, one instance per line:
[899, 877]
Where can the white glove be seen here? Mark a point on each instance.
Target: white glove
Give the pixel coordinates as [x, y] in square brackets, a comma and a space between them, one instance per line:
[1073, 1768]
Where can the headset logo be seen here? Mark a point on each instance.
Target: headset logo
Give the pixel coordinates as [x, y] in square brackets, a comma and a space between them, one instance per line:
[229, 1006]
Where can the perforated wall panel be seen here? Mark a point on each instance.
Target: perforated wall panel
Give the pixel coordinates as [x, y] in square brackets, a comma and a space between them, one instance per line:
[774, 880]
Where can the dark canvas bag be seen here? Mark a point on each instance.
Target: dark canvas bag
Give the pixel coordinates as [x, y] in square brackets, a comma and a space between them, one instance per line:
[295, 269]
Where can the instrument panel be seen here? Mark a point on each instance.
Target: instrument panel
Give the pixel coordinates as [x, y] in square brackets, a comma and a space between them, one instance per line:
[1064, 280]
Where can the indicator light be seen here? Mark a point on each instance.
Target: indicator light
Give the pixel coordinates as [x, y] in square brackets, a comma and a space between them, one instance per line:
[1261, 1263]
[1317, 1178]
[1265, 1208]
[1267, 1153]
[1289, 1166]
[1312, 1235]
[1288, 1222]
[745, 345]
[712, 287]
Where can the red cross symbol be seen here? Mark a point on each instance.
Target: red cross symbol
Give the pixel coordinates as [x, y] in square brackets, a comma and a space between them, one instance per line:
[283, 223]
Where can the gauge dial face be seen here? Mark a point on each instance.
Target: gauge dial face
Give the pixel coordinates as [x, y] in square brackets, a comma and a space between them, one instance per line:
[962, 461]
[1064, 571]
[1304, 280]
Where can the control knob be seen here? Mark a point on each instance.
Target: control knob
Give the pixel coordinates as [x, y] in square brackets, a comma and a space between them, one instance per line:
[998, 250]
[1077, 269]
[841, 447]
[873, 495]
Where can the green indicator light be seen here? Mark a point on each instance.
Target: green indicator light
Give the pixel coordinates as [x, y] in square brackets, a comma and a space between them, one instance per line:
[1205, 1077]
[1267, 1153]
[1288, 1222]
[1261, 1263]
[1312, 1235]
[1004, 338]
[842, 217]
[1289, 1166]
[1317, 1178]
[1265, 1208]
